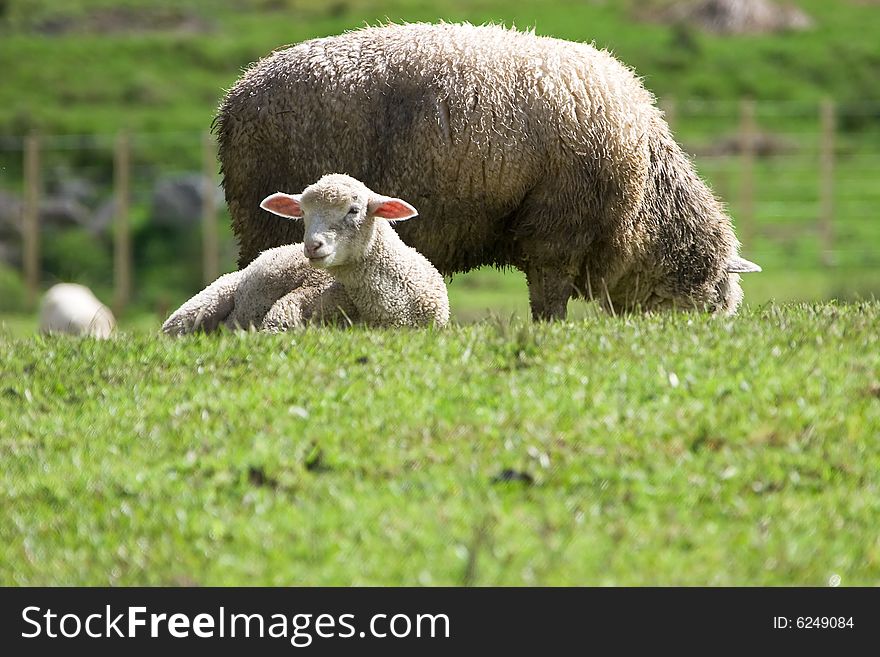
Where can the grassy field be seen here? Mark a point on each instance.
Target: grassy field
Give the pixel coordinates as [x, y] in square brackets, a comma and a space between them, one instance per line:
[674, 449]
[159, 68]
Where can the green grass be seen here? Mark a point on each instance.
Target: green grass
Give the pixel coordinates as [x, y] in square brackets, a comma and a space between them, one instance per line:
[164, 79]
[671, 449]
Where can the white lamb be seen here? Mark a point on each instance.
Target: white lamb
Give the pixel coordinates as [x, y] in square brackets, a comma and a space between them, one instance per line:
[352, 267]
[73, 309]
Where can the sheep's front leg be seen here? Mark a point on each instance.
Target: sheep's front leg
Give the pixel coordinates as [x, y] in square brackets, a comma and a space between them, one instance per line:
[329, 304]
[286, 313]
[334, 306]
[549, 292]
[206, 310]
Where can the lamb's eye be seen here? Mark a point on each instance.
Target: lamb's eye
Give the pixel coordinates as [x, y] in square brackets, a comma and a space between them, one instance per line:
[353, 210]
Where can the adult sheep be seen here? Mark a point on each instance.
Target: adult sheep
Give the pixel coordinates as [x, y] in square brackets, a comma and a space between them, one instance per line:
[545, 155]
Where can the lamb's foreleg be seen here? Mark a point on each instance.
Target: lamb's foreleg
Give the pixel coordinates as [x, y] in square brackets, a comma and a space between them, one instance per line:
[207, 309]
[315, 304]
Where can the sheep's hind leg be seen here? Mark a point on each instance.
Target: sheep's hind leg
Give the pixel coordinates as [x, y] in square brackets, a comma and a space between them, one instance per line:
[549, 292]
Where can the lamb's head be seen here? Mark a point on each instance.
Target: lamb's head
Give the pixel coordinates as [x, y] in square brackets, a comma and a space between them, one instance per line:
[339, 215]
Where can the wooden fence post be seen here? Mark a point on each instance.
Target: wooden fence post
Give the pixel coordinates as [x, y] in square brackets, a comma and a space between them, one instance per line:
[121, 229]
[30, 225]
[210, 239]
[826, 181]
[747, 139]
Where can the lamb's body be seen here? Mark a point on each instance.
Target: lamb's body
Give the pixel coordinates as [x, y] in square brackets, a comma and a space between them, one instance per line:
[395, 285]
[546, 155]
[75, 310]
[372, 276]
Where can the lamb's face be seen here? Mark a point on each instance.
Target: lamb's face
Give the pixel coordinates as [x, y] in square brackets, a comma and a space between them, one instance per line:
[339, 215]
[338, 228]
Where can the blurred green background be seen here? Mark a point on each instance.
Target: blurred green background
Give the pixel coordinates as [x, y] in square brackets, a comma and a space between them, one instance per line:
[77, 72]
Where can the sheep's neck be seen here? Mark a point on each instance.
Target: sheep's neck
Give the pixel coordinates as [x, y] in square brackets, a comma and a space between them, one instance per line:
[376, 282]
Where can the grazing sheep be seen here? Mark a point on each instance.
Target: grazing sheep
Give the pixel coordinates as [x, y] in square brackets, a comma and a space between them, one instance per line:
[542, 154]
[73, 309]
[351, 265]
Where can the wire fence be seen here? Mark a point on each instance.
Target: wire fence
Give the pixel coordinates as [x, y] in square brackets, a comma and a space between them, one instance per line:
[799, 179]
[95, 206]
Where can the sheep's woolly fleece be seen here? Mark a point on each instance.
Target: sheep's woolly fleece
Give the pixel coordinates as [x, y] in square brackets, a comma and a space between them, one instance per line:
[518, 150]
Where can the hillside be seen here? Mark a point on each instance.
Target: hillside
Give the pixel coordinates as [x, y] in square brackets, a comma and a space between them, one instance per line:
[88, 66]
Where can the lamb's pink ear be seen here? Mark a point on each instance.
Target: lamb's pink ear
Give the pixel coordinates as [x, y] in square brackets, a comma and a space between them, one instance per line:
[391, 208]
[284, 205]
